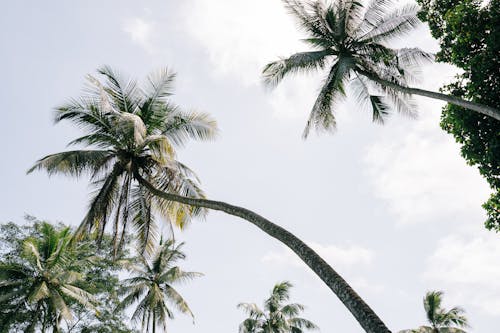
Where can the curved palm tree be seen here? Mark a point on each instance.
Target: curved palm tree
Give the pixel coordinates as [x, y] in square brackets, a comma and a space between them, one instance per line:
[43, 281]
[152, 287]
[352, 41]
[131, 159]
[276, 317]
[130, 130]
[440, 320]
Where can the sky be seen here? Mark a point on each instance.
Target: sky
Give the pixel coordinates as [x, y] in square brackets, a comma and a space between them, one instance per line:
[394, 209]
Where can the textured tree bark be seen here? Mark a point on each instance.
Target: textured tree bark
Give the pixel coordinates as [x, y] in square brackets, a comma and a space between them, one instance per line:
[365, 316]
[483, 109]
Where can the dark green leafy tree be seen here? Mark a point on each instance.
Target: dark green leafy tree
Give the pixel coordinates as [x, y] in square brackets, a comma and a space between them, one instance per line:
[469, 35]
[440, 320]
[102, 281]
[99, 277]
[151, 287]
[40, 282]
[276, 317]
[130, 138]
[352, 41]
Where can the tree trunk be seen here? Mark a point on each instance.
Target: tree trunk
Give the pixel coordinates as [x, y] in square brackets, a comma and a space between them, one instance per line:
[366, 317]
[483, 109]
[154, 322]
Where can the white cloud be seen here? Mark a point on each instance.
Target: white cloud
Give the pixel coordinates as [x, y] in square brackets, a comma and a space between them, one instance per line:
[342, 258]
[466, 267]
[140, 31]
[241, 36]
[338, 256]
[417, 168]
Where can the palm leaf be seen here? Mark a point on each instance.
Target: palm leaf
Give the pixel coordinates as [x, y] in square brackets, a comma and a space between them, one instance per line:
[73, 163]
[274, 72]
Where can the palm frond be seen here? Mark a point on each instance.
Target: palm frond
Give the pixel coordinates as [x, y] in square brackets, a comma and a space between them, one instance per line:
[274, 72]
[321, 117]
[73, 163]
[302, 323]
[102, 204]
[251, 309]
[124, 96]
[308, 22]
[395, 24]
[379, 107]
[373, 16]
[143, 220]
[177, 300]
[181, 125]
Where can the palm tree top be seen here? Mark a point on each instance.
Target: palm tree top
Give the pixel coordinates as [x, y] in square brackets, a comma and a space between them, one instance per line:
[131, 130]
[353, 41]
[276, 317]
[152, 286]
[440, 319]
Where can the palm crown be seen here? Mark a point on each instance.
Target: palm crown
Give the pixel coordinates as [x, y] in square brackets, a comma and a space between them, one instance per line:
[276, 317]
[440, 320]
[152, 286]
[131, 131]
[43, 280]
[352, 40]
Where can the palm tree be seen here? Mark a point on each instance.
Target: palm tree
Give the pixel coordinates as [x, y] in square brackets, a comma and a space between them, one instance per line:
[41, 284]
[352, 41]
[276, 317]
[152, 287]
[131, 130]
[440, 320]
[131, 159]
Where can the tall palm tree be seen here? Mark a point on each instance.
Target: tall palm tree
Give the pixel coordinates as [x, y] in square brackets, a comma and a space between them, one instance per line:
[42, 282]
[131, 159]
[353, 42]
[131, 130]
[276, 316]
[152, 287]
[440, 320]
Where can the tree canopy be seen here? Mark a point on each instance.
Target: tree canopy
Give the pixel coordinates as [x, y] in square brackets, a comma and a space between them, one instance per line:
[469, 35]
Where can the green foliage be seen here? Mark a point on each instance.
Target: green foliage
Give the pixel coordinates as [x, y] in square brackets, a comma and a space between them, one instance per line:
[48, 281]
[131, 131]
[151, 287]
[440, 319]
[276, 316]
[469, 36]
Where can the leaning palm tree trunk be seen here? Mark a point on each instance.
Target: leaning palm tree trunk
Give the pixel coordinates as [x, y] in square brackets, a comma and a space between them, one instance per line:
[483, 109]
[366, 317]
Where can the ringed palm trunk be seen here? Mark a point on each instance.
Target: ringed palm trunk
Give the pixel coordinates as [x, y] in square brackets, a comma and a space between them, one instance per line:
[154, 322]
[483, 109]
[365, 316]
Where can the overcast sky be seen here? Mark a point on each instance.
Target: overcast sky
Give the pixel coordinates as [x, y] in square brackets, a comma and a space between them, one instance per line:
[394, 208]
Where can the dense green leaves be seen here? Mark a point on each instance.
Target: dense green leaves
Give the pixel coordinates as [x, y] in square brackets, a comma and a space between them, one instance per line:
[49, 283]
[469, 35]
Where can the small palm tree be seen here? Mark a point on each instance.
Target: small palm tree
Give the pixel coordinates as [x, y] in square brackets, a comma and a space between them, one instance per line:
[440, 320]
[152, 287]
[276, 317]
[42, 282]
[352, 40]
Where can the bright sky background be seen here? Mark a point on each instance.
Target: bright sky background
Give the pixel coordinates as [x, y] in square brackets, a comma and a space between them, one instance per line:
[393, 208]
